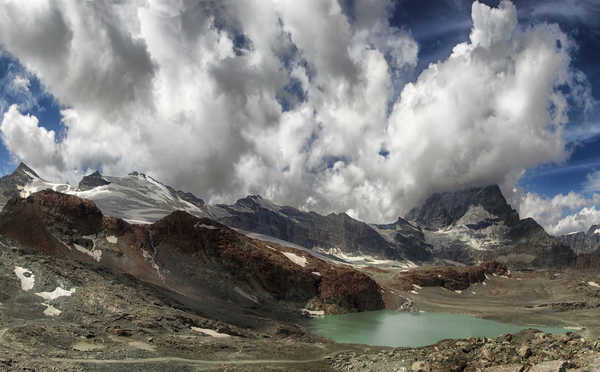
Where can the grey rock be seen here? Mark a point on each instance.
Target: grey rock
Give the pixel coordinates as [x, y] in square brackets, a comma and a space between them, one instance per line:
[550, 366]
[420, 366]
[506, 368]
[524, 351]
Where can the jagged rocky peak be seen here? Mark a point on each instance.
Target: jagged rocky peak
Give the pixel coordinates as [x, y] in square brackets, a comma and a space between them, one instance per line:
[23, 169]
[191, 198]
[446, 208]
[92, 180]
[594, 230]
[12, 184]
[256, 202]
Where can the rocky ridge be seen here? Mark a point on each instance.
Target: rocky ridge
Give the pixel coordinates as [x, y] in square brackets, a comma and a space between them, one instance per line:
[335, 231]
[194, 256]
[453, 278]
[464, 227]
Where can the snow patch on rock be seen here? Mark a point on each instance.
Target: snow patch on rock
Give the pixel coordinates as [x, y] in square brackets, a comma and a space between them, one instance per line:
[26, 277]
[210, 332]
[593, 284]
[313, 312]
[96, 254]
[205, 226]
[58, 292]
[155, 266]
[112, 239]
[298, 260]
[51, 310]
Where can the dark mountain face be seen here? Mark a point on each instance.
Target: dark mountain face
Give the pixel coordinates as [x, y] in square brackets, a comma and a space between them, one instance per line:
[445, 209]
[477, 224]
[197, 257]
[409, 236]
[93, 180]
[311, 230]
[583, 242]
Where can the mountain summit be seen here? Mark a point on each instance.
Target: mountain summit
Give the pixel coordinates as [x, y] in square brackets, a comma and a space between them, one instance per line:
[446, 208]
[92, 180]
[13, 184]
[478, 224]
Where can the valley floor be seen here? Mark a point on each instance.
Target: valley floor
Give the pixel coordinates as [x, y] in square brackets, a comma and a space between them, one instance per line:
[112, 322]
[567, 298]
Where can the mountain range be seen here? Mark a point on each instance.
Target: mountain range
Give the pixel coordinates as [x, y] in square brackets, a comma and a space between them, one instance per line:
[461, 227]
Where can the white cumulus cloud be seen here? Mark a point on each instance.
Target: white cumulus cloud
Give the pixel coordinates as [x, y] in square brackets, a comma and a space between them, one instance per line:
[304, 102]
[562, 214]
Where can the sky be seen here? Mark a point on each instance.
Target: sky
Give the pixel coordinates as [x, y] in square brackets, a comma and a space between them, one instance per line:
[357, 106]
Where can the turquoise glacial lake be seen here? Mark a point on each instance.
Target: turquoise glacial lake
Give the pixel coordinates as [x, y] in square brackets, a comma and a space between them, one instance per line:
[391, 328]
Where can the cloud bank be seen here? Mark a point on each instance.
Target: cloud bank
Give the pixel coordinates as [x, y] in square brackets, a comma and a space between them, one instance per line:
[564, 213]
[304, 102]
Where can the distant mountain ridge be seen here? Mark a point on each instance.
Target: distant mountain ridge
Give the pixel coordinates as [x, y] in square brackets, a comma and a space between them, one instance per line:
[583, 242]
[466, 226]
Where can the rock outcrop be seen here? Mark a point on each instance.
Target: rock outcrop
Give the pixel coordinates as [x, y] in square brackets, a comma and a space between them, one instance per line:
[92, 180]
[453, 278]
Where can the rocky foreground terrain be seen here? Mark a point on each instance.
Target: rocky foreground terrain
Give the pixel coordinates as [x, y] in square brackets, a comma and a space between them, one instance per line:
[526, 351]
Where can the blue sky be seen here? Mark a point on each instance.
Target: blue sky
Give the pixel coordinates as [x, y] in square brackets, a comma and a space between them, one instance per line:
[143, 98]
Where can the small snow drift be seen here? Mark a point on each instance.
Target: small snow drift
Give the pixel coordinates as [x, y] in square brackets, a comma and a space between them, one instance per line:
[96, 254]
[58, 292]
[313, 312]
[593, 284]
[51, 310]
[210, 332]
[298, 260]
[205, 226]
[26, 277]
